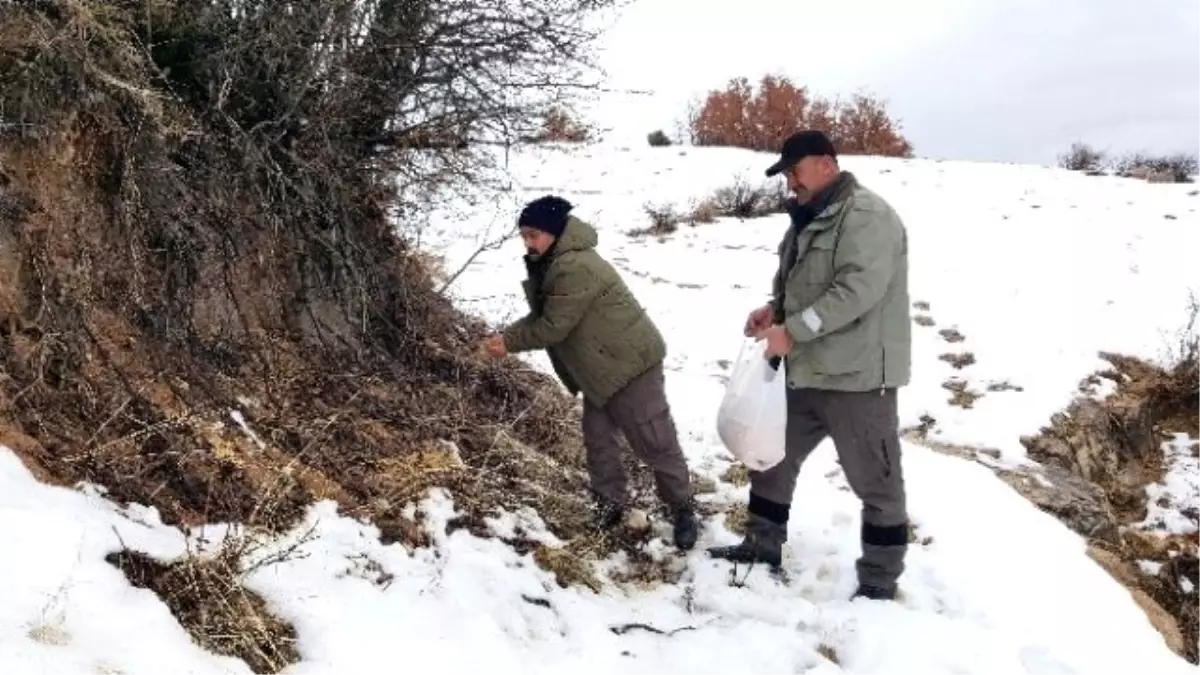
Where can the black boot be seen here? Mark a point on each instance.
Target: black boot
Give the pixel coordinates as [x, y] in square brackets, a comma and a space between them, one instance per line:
[608, 515]
[763, 543]
[874, 593]
[687, 530]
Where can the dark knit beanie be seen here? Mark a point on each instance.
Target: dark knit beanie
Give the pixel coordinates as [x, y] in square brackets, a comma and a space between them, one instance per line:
[548, 214]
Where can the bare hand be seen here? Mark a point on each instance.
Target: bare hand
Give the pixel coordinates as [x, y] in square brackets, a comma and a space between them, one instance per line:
[779, 342]
[494, 347]
[759, 320]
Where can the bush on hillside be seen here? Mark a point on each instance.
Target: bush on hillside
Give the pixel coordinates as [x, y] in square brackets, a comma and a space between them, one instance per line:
[198, 215]
[1176, 168]
[759, 119]
[1083, 157]
[560, 126]
[658, 139]
[740, 199]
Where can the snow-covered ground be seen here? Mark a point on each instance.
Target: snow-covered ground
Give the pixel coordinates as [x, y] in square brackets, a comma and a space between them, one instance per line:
[1037, 268]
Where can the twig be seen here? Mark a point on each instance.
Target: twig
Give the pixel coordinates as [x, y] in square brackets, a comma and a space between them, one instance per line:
[626, 627]
[491, 245]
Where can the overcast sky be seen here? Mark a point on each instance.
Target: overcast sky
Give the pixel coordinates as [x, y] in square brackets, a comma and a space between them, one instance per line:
[1003, 80]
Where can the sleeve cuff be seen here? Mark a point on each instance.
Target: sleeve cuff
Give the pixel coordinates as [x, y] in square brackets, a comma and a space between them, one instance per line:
[805, 326]
[511, 343]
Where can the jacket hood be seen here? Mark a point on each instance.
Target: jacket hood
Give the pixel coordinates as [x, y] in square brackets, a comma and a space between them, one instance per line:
[576, 236]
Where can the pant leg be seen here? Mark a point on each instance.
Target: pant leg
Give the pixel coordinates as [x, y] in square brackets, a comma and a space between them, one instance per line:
[603, 453]
[641, 411]
[864, 427]
[771, 491]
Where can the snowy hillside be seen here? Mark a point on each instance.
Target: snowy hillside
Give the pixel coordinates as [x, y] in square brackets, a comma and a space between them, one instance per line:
[1036, 270]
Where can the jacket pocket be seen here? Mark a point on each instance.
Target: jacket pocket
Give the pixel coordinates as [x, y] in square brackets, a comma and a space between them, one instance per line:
[849, 350]
[817, 265]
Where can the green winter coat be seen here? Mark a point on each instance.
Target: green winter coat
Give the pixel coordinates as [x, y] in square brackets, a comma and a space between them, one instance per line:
[845, 300]
[597, 335]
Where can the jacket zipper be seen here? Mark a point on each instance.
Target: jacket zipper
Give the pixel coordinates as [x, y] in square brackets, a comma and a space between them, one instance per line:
[882, 360]
[883, 370]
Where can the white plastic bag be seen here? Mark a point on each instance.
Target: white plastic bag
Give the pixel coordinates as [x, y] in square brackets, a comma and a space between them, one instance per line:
[752, 420]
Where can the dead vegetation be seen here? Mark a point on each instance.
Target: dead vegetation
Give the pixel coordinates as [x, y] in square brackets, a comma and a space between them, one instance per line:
[952, 335]
[961, 393]
[206, 595]
[1174, 168]
[198, 215]
[958, 360]
[1116, 445]
[740, 199]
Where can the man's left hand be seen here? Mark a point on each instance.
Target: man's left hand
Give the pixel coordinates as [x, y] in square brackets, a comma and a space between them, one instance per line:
[779, 342]
[494, 347]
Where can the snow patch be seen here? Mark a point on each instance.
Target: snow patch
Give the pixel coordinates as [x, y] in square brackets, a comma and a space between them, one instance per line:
[1173, 503]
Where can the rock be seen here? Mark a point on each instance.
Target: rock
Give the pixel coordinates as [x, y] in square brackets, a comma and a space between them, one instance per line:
[1080, 505]
[1145, 545]
[1125, 573]
[636, 520]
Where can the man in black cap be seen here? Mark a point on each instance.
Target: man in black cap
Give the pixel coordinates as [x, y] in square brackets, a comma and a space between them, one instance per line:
[602, 343]
[839, 320]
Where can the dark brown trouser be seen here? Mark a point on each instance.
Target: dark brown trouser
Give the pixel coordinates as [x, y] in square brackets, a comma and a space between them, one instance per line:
[639, 411]
[864, 428]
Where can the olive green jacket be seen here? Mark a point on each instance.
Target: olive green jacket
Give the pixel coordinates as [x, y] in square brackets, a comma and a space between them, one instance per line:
[845, 300]
[597, 335]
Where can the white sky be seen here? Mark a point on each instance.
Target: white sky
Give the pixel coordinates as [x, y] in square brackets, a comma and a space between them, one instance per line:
[996, 80]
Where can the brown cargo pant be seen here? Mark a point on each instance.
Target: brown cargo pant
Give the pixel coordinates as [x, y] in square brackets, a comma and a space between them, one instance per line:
[864, 429]
[639, 411]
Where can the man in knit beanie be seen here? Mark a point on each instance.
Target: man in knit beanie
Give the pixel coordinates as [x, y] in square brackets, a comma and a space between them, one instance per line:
[602, 344]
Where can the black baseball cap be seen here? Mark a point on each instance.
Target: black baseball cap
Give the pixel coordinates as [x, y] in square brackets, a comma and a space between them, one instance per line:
[800, 145]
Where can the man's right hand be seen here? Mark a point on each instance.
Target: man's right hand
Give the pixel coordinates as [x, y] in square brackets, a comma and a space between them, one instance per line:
[759, 320]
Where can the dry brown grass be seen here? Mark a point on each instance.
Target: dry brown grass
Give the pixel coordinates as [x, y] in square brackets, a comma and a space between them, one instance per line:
[736, 474]
[961, 393]
[206, 596]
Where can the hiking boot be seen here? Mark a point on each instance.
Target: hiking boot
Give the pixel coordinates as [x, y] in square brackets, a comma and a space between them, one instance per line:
[763, 543]
[687, 530]
[873, 593]
[608, 515]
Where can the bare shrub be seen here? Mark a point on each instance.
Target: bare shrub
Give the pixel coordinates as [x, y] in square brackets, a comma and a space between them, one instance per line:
[742, 199]
[560, 126]
[759, 119]
[664, 219]
[1176, 168]
[1082, 157]
[704, 212]
[658, 139]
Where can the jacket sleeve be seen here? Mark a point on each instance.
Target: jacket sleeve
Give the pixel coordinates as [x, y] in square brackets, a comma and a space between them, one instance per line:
[872, 240]
[570, 290]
